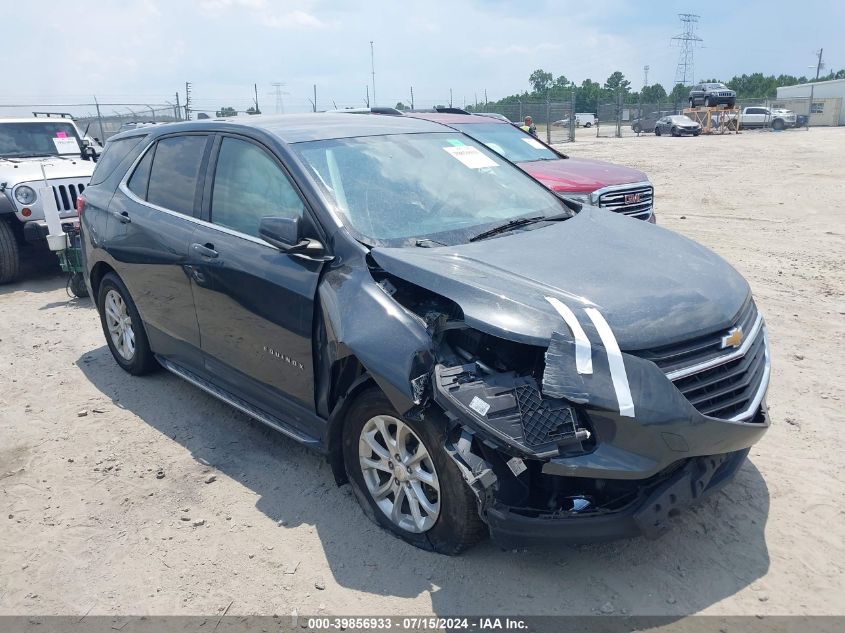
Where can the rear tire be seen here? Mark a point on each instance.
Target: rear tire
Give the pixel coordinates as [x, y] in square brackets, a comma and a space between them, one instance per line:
[456, 523]
[123, 328]
[691, 102]
[657, 131]
[636, 128]
[707, 102]
[10, 257]
[588, 124]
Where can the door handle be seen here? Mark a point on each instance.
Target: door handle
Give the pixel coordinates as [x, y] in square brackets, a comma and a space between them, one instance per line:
[204, 250]
[123, 216]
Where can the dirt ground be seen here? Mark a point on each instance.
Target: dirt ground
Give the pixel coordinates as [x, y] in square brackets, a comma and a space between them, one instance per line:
[121, 495]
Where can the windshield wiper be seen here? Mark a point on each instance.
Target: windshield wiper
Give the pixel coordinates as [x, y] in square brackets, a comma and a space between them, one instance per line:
[426, 242]
[507, 226]
[518, 222]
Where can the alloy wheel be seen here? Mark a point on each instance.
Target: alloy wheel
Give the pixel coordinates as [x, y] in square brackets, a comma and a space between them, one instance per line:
[399, 473]
[119, 324]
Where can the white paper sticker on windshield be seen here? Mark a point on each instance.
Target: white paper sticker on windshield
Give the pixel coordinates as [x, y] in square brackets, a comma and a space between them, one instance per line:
[471, 157]
[66, 145]
[533, 142]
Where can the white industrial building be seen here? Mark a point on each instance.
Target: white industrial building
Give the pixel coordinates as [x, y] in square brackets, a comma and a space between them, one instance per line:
[828, 97]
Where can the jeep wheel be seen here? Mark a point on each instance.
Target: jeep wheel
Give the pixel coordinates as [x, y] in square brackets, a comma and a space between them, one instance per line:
[123, 327]
[10, 259]
[707, 102]
[77, 286]
[404, 479]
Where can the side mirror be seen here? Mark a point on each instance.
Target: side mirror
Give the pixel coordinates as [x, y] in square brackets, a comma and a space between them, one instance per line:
[286, 235]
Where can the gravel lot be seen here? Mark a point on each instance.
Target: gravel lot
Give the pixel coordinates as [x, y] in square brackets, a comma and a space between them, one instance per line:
[121, 495]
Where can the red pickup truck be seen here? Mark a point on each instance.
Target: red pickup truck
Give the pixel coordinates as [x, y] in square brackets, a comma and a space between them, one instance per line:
[614, 187]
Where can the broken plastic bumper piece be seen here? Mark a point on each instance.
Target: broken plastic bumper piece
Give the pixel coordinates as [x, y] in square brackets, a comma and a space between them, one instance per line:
[509, 408]
[647, 515]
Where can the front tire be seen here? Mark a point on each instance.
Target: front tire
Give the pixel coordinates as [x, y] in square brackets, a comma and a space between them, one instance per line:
[10, 258]
[674, 131]
[707, 102]
[778, 124]
[588, 124]
[636, 128]
[657, 131]
[405, 481]
[124, 330]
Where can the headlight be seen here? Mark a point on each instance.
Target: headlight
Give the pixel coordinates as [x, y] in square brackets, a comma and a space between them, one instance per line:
[25, 195]
[581, 198]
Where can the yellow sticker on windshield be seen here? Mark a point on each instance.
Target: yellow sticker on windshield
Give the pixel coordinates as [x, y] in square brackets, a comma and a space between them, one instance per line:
[471, 157]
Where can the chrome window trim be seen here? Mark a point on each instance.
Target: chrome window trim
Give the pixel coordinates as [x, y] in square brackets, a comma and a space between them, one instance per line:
[721, 360]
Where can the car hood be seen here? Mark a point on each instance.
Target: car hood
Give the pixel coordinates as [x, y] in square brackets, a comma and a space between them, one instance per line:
[653, 286]
[580, 174]
[18, 170]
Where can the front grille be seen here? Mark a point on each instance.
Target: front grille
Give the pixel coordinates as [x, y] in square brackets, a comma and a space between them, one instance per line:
[671, 358]
[67, 194]
[719, 389]
[727, 390]
[635, 201]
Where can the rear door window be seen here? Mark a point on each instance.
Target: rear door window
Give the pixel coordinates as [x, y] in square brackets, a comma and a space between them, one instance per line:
[140, 179]
[175, 172]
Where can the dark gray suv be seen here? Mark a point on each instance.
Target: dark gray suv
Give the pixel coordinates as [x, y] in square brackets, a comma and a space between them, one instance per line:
[711, 95]
[469, 353]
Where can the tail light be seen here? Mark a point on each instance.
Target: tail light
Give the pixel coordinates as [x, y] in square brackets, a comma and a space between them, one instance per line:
[80, 205]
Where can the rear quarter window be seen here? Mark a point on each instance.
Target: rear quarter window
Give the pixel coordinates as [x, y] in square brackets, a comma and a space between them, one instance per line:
[113, 153]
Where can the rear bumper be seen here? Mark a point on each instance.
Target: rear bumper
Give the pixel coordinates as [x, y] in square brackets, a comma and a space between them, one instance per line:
[649, 515]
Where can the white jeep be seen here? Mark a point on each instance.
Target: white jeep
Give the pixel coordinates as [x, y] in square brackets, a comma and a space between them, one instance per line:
[38, 155]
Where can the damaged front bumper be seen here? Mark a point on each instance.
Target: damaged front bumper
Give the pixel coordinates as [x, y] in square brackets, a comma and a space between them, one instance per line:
[647, 515]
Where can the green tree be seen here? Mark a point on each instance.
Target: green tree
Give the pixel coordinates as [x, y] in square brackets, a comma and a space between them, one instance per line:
[679, 94]
[587, 96]
[226, 112]
[654, 93]
[617, 82]
[401, 106]
[540, 80]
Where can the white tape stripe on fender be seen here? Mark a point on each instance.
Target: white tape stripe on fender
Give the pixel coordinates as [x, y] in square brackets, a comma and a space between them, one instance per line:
[583, 350]
[614, 360]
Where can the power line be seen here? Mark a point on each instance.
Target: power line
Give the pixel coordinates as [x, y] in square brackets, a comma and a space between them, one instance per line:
[688, 40]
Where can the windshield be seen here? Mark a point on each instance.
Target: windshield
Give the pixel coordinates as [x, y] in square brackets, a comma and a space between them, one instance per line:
[49, 138]
[716, 86]
[513, 144]
[395, 190]
[681, 118]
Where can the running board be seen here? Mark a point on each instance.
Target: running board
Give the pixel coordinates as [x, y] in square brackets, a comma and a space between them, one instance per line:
[240, 404]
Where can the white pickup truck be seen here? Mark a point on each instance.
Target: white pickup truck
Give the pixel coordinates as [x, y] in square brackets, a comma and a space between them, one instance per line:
[776, 118]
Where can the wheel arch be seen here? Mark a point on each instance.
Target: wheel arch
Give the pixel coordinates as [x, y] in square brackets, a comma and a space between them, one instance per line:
[98, 271]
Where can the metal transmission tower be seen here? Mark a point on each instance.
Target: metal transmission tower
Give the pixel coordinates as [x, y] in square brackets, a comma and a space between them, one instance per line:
[278, 92]
[688, 40]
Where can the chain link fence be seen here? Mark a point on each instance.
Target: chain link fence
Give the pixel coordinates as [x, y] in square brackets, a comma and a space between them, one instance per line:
[127, 117]
[553, 118]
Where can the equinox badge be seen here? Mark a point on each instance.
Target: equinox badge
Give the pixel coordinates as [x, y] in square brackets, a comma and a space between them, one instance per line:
[733, 338]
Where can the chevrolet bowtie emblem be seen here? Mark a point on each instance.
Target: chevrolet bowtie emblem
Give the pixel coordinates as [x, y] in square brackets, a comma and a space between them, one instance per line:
[733, 338]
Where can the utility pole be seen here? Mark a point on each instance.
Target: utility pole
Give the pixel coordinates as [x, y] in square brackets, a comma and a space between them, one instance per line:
[450, 97]
[819, 66]
[368, 95]
[315, 97]
[280, 106]
[645, 75]
[255, 100]
[187, 100]
[412, 97]
[485, 98]
[373, 71]
[99, 121]
[178, 112]
[688, 40]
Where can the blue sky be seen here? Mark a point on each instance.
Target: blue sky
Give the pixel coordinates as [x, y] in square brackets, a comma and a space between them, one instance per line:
[144, 50]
